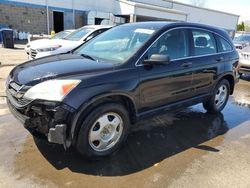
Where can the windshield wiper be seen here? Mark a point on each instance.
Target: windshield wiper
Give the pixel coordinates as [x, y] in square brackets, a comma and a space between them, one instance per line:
[88, 57]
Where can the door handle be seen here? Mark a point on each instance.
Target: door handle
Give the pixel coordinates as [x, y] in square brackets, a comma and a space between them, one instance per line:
[219, 59]
[187, 64]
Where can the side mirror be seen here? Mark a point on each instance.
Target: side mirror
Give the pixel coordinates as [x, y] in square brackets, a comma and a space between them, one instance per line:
[157, 59]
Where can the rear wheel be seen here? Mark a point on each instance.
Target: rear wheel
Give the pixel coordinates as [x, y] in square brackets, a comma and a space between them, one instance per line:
[103, 131]
[218, 100]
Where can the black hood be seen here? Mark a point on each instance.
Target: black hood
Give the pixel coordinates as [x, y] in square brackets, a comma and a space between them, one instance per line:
[55, 67]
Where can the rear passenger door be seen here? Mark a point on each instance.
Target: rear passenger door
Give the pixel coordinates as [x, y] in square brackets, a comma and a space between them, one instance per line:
[207, 62]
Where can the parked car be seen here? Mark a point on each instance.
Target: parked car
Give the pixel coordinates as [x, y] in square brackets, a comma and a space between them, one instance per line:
[90, 98]
[44, 42]
[244, 63]
[241, 41]
[68, 43]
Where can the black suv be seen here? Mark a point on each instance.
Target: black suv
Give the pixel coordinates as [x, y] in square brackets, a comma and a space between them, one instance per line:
[90, 98]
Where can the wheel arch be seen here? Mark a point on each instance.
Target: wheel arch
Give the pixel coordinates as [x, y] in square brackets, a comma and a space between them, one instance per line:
[124, 99]
[230, 78]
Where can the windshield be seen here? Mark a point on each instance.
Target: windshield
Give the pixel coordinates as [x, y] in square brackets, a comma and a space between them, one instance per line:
[61, 35]
[118, 44]
[79, 33]
[242, 38]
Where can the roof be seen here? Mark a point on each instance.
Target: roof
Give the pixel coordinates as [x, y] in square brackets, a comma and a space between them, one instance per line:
[165, 25]
[98, 26]
[69, 30]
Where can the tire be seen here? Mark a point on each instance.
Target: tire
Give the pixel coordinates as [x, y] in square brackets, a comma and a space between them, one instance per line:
[103, 131]
[218, 100]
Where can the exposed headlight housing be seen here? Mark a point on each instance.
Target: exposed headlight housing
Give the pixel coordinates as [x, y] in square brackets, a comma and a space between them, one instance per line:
[51, 90]
[52, 48]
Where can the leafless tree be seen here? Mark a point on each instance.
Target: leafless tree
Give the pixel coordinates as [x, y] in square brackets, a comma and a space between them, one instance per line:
[199, 3]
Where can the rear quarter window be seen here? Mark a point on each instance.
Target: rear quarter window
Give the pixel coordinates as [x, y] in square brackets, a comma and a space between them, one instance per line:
[223, 45]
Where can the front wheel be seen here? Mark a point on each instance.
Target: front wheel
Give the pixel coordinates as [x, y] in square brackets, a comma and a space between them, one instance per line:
[103, 131]
[218, 100]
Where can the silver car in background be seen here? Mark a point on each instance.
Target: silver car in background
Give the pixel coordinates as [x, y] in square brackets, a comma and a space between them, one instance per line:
[244, 63]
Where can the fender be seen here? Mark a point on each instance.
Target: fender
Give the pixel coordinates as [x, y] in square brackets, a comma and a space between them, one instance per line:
[226, 74]
[86, 105]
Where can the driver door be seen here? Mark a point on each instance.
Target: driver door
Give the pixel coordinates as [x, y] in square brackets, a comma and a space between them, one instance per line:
[162, 84]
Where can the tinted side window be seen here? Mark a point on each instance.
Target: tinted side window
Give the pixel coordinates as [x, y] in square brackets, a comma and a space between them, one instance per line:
[204, 42]
[173, 43]
[224, 46]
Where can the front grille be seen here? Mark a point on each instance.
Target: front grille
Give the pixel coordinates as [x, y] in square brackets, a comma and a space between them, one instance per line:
[33, 53]
[245, 56]
[244, 68]
[17, 91]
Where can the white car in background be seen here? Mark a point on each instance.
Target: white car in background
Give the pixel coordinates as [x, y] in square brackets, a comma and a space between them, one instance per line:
[59, 35]
[241, 41]
[68, 43]
[244, 62]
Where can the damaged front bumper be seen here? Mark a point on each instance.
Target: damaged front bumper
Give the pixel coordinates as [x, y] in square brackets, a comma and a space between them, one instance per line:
[43, 118]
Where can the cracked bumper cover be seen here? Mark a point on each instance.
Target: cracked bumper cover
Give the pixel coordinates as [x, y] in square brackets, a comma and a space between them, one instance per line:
[44, 119]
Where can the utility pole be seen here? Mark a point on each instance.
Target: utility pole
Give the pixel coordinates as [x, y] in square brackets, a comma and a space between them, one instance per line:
[47, 12]
[73, 8]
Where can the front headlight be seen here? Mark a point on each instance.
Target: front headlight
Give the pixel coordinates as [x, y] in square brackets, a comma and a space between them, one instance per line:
[52, 48]
[52, 90]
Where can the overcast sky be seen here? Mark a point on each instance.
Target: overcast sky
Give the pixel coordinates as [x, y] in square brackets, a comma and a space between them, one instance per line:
[239, 7]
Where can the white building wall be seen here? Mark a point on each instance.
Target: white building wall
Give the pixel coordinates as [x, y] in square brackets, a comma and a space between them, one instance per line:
[209, 17]
[97, 5]
[160, 3]
[122, 8]
[194, 14]
[159, 14]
